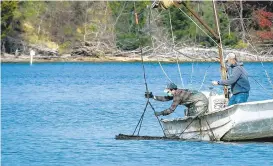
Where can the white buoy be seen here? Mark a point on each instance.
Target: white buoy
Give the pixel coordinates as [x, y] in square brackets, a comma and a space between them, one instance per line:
[32, 53]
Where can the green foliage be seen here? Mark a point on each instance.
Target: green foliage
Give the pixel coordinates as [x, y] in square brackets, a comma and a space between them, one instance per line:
[128, 33]
[185, 29]
[230, 39]
[127, 41]
[69, 23]
[68, 30]
[7, 14]
[64, 46]
[241, 44]
[47, 23]
[181, 26]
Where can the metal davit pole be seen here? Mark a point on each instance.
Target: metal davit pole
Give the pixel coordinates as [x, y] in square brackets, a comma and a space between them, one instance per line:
[220, 49]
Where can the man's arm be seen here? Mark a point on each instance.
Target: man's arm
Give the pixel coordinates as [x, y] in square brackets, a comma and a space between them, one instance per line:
[163, 98]
[232, 79]
[171, 109]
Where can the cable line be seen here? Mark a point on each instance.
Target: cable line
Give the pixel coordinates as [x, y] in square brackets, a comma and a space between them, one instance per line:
[139, 124]
[250, 43]
[182, 83]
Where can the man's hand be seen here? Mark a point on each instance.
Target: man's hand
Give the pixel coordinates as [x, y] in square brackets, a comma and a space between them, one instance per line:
[214, 83]
[149, 95]
[158, 113]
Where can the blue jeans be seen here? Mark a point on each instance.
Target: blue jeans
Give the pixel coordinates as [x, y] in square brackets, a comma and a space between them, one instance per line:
[238, 98]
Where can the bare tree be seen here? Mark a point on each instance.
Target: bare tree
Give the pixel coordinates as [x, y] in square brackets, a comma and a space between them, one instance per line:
[242, 20]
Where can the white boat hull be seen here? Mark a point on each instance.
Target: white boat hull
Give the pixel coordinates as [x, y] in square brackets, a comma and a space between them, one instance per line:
[246, 121]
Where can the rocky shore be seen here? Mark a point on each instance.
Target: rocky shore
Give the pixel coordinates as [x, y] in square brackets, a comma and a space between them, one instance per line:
[186, 54]
[19, 51]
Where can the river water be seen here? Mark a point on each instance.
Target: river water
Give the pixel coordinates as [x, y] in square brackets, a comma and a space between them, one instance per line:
[69, 114]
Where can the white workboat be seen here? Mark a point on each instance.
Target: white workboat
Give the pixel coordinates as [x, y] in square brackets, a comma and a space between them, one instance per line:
[240, 122]
[250, 121]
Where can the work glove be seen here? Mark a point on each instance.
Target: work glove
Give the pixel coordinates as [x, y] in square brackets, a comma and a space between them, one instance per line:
[215, 83]
[149, 95]
[158, 113]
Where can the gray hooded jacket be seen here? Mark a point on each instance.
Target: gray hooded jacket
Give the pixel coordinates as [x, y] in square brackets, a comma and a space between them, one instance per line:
[238, 80]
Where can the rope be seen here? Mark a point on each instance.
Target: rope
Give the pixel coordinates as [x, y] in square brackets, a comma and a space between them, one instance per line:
[250, 43]
[192, 70]
[266, 73]
[178, 66]
[146, 85]
[270, 94]
[150, 14]
[179, 70]
[158, 120]
[214, 138]
[195, 117]
[199, 27]
[141, 117]
[182, 83]
[204, 78]
[171, 27]
[144, 73]
[163, 70]
[257, 83]
[187, 126]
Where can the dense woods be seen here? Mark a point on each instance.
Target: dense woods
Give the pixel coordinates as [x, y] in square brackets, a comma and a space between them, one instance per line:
[96, 28]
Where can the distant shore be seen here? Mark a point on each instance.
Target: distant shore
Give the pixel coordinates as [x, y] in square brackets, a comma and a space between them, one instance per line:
[25, 59]
[187, 54]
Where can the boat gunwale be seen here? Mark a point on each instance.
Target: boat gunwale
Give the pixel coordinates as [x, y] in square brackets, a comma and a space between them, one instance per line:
[217, 111]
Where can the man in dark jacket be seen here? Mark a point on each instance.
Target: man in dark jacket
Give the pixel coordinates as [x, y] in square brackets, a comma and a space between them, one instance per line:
[238, 80]
[196, 102]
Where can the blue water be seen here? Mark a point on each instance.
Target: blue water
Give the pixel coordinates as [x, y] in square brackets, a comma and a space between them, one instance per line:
[69, 114]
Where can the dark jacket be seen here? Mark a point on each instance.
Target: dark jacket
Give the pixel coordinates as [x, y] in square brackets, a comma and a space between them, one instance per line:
[238, 80]
[182, 97]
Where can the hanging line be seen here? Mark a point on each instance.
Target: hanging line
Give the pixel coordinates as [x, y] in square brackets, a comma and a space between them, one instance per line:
[172, 47]
[144, 72]
[266, 73]
[150, 14]
[204, 78]
[258, 83]
[163, 70]
[199, 27]
[182, 83]
[250, 43]
[178, 66]
[192, 70]
[220, 46]
[270, 94]
[203, 32]
[140, 120]
[171, 27]
[146, 85]
[213, 138]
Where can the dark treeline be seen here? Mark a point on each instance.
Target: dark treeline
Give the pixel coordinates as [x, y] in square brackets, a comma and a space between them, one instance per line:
[111, 25]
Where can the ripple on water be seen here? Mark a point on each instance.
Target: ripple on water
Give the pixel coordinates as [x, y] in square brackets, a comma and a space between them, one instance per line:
[69, 113]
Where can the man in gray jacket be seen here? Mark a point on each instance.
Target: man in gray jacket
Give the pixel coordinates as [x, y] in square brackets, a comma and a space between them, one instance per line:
[196, 102]
[238, 80]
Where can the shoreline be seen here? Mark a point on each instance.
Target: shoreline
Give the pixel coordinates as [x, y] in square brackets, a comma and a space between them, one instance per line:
[96, 60]
[186, 54]
[109, 59]
[9, 58]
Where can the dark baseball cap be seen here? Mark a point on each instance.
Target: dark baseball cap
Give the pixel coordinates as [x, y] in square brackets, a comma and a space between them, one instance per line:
[171, 86]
